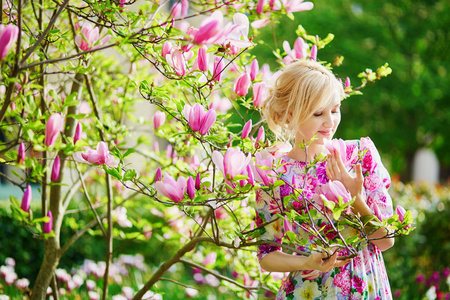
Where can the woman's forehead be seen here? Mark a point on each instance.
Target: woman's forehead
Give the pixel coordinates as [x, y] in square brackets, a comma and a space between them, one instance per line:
[330, 102]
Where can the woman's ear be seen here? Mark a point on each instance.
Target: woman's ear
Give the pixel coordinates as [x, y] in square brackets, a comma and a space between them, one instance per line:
[289, 118]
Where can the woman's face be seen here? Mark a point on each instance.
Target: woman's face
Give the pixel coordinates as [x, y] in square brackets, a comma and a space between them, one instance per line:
[324, 122]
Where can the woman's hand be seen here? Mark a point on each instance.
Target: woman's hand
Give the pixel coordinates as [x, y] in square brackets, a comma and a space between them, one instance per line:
[336, 171]
[319, 261]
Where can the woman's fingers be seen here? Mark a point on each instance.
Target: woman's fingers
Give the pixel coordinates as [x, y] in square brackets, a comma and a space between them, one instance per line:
[329, 263]
[339, 161]
[359, 174]
[341, 263]
[328, 170]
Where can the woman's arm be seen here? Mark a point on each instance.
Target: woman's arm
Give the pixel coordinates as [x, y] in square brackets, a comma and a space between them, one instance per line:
[360, 206]
[278, 261]
[355, 185]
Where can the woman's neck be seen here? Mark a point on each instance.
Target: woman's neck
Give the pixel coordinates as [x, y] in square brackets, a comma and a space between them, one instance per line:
[307, 154]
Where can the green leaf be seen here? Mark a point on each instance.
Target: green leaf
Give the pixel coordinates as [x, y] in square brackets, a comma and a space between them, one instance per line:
[43, 220]
[129, 175]
[337, 213]
[71, 100]
[329, 204]
[113, 172]
[278, 183]
[128, 152]
[367, 219]
[327, 40]
[286, 200]
[14, 201]
[408, 218]
[291, 235]
[240, 177]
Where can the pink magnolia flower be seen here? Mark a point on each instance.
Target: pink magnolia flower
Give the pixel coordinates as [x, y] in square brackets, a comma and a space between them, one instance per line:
[295, 5]
[158, 119]
[56, 169]
[313, 55]
[177, 61]
[242, 84]
[260, 23]
[175, 11]
[261, 136]
[259, 93]
[279, 149]
[232, 163]
[341, 147]
[247, 129]
[122, 4]
[260, 6]
[174, 190]
[89, 38]
[198, 181]
[21, 153]
[98, 157]
[8, 36]
[332, 190]
[262, 169]
[236, 33]
[400, 211]
[191, 188]
[78, 132]
[166, 49]
[158, 175]
[48, 225]
[210, 30]
[26, 199]
[199, 120]
[53, 127]
[184, 8]
[208, 120]
[300, 48]
[251, 177]
[254, 69]
[299, 51]
[376, 211]
[196, 115]
[202, 59]
[347, 83]
[218, 69]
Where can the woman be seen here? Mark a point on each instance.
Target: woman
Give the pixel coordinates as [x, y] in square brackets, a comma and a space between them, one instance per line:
[305, 103]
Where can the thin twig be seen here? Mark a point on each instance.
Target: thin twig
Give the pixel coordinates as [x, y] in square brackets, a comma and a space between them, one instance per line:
[89, 200]
[221, 277]
[44, 34]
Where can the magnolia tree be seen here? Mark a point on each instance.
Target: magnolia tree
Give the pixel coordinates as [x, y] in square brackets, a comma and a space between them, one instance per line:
[74, 73]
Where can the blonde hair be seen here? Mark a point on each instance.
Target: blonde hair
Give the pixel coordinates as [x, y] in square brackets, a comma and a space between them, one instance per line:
[303, 88]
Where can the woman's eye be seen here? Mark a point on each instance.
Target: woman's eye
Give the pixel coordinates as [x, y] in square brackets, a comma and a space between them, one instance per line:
[336, 111]
[317, 114]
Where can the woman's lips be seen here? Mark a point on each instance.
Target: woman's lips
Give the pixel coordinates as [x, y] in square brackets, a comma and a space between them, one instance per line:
[326, 133]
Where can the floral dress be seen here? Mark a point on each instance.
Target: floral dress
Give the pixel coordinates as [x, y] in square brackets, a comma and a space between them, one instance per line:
[365, 276]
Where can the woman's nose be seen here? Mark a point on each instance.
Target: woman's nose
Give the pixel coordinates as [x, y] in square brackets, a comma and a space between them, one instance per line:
[329, 121]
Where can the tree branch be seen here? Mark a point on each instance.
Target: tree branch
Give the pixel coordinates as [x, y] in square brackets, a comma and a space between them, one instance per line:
[194, 265]
[44, 34]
